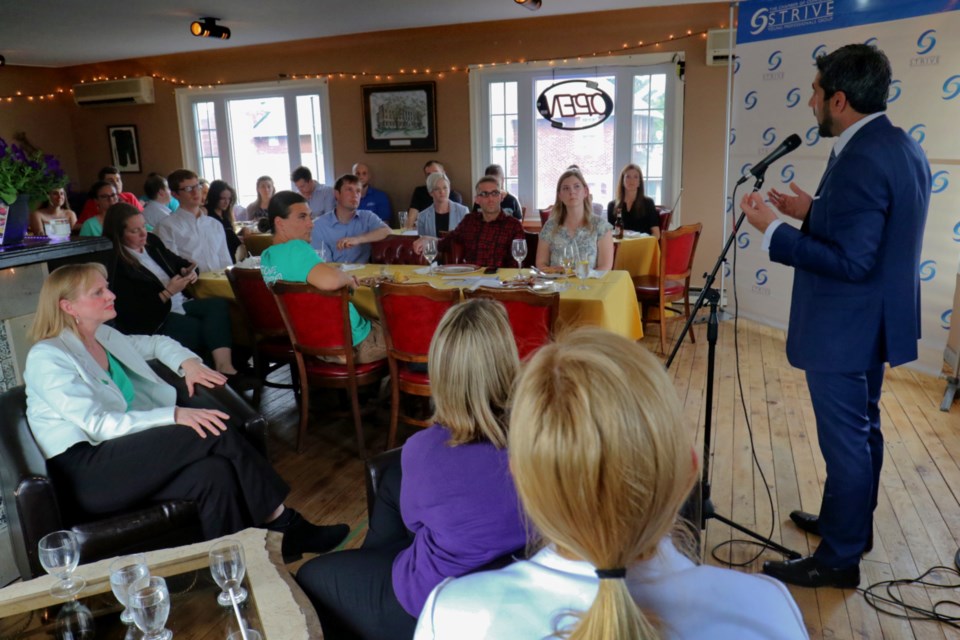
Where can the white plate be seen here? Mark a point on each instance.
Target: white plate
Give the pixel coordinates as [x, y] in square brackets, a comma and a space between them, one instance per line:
[351, 267]
[635, 234]
[455, 269]
[549, 276]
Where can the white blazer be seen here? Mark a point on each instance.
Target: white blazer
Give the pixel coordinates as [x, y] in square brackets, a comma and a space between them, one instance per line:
[71, 399]
[427, 222]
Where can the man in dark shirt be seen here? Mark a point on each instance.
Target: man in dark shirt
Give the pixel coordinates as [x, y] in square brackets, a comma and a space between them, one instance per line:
[485, 235]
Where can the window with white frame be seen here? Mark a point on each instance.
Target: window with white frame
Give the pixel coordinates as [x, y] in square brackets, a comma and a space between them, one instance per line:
[238, 133]
[644, 128]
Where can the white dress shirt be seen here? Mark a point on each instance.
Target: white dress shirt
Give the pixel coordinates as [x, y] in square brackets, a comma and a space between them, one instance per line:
[154, 212]
[200, 239]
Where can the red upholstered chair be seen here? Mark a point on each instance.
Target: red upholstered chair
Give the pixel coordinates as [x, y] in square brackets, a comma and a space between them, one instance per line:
[533, 241]
[319, 325]
[677, 249]
[532, 315]
[268, 335]
[665, 216]
[545, 215]
[410, 314]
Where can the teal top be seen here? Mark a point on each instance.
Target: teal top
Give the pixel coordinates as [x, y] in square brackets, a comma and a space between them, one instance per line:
[91, 227]
[120, 378]
[293, 260]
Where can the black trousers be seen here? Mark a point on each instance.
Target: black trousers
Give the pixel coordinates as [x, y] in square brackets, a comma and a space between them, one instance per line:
[234, 486]
[352, 590]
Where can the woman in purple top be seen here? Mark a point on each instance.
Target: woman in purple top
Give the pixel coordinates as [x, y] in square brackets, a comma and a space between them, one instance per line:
[450, 507]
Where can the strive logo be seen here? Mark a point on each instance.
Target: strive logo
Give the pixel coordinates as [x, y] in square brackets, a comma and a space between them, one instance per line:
[791, 15]
[793, 97]
[926, 43]
[940, 181]
[895, 91]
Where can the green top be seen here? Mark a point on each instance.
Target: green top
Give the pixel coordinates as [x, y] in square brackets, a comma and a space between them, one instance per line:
[91, 227]
[293, 260]
[120, 378]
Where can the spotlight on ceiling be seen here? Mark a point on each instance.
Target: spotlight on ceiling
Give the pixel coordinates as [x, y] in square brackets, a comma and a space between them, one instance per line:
[533, 5]
[208, 28]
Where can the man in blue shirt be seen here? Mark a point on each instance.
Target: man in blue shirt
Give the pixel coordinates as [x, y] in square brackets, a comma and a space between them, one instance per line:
[372, 199]
[319, 197]
[347, 231]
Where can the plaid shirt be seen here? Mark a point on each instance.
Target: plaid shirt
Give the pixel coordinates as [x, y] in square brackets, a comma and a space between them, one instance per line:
[486, 244]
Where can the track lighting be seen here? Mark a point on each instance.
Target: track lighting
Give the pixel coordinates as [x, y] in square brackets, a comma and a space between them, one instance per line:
[208, 28]
[532, 5]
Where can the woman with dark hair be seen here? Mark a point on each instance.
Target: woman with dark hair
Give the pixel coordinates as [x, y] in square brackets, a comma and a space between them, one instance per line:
[104, 194]
[636, 210]
[220, 202]
[149, 281]
[265, 190]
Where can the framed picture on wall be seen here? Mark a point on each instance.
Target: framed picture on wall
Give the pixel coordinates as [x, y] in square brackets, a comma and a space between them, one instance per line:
[400, 117]
[125, 147]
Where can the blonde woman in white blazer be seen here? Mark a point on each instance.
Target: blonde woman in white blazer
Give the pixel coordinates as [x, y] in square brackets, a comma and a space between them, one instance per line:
[113, 436]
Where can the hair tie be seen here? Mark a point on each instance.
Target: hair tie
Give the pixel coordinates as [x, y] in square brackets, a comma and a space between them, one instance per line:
[611, 574]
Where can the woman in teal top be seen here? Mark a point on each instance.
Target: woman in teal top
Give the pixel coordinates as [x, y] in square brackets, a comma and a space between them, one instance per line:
[292, 258]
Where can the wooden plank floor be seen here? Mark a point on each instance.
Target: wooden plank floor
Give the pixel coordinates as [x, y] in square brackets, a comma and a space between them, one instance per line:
[917, 523]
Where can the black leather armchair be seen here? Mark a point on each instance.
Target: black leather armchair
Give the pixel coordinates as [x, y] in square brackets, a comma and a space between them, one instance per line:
[31, 500]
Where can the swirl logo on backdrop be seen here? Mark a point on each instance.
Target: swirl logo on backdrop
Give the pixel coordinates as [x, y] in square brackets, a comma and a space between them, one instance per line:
[745, 169]
[813, 135]
[733, 135]
[951, 87]
[956, 232]
[769, 136]
[736, 65]
[761, 277]
[871, 42]
[787, 174]
[793, 97]
[895, 91]
[945, 319]
[750, 100]
[774, 61]
[928, 270]
[726, 269]
[925, 45]
[729, 207]
[918, 133]
[819, 50]
[743, 240]
[940, 181]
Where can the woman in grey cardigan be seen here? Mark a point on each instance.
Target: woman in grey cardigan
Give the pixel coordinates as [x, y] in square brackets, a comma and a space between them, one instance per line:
[443, 215]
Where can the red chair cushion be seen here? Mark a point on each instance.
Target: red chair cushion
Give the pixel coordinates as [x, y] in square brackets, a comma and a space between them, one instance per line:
[649, 287]
[415, 377]
[316, 320]
[258, 302]
[320, 368]
[411, 321]
[530, 324]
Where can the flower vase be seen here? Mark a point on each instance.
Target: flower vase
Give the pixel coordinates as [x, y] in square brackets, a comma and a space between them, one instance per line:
[13, 220]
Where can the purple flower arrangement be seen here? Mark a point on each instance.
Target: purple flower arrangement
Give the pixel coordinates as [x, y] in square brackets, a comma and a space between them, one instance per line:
[32, 174]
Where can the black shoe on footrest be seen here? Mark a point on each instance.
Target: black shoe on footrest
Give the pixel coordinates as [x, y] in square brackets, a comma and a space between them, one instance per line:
[811, 524]
[304, 537]
[807, 572]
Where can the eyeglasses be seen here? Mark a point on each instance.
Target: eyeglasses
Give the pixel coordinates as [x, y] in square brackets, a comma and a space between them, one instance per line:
[189, 188]
[488, 194]
[108, 196]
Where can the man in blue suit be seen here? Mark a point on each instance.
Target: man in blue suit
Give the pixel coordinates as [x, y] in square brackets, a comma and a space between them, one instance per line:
[856, 296]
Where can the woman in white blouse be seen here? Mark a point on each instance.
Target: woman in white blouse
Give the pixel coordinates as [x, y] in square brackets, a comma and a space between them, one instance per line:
[572, 224]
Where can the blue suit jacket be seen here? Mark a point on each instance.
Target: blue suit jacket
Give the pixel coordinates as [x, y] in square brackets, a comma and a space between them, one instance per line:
[856, 287]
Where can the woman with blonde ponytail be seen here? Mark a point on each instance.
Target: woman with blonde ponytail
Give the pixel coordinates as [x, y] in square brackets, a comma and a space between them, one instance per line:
[602, 463]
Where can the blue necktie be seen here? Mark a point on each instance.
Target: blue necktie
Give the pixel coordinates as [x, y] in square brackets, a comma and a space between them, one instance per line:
[830, 162]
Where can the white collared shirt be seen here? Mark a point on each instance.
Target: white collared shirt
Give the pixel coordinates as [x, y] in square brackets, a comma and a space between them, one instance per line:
[200, 239]
[176, 300]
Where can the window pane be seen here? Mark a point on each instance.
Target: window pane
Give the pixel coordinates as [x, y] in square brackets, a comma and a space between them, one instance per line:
[205, 128]
[498, 135]
[510, 103]
[496, 98]
[258, 133]
[311, 140]
[649, 103]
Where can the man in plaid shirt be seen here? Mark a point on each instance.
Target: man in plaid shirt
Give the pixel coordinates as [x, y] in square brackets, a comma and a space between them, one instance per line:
[485, 235]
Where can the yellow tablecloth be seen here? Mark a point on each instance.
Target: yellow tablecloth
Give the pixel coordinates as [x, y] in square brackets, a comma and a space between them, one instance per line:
[609, 302]
[639, 256]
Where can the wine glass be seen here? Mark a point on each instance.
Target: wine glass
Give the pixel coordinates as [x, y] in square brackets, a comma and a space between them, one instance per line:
[251, 634]
[323, 253]
[149, 601]
[568, 259]
[59, 555]
[583, 272]
[228, 566]
[75, 622]
[519, 250]
[402, 217]
[123, 573]
[430, 250]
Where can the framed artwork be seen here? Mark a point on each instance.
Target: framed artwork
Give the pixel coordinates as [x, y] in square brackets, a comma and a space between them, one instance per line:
[124, 147]
[400, 117]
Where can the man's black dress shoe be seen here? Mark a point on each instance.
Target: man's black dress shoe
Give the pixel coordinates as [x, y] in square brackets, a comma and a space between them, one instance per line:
[807, 572]
[811, 524]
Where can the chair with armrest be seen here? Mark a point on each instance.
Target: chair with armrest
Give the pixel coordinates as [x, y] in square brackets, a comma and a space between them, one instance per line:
[410, 314]
[677, 250]
[34, 510]
[665, 216]
[533, 242]
[318, 323]
[268, 335]
[532, 315]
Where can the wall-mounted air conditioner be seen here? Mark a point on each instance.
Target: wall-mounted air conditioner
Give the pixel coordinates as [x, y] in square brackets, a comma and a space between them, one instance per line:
[720, 44]
[114, 92]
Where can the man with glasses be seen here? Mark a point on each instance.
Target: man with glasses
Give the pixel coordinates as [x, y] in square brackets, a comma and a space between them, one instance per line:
[111, 175]
[188, 231]
[485, 235]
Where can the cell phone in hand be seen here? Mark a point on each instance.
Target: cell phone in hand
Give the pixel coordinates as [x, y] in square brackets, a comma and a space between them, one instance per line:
[190, 268]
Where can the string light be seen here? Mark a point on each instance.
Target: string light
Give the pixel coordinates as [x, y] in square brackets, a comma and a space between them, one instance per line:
[378, 76]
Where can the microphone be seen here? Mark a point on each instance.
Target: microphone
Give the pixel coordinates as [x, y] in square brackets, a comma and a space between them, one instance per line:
[788, 145]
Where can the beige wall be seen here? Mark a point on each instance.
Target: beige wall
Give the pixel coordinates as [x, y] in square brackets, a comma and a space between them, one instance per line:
[80, 135]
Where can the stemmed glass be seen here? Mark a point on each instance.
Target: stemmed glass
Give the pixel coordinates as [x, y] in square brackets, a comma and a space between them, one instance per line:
[123, 573]
[583, 269]
[149, 601]
[568, 259]
[430, 250]
[402, 217]
[59, 555]
[519, 250]
[228, 566]
[75, 622]
[323, 253]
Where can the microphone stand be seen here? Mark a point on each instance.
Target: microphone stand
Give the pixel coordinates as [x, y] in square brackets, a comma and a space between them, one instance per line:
[711, 296]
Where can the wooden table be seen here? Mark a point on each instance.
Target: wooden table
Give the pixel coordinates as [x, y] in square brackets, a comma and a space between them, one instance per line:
[609, 302]
[276, 605]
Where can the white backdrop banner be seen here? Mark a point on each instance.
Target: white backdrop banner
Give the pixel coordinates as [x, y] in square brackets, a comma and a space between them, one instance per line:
[777, 43]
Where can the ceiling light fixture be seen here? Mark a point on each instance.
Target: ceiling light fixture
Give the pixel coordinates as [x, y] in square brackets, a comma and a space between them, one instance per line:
[208, 28]
[532, 5]
[3, 61]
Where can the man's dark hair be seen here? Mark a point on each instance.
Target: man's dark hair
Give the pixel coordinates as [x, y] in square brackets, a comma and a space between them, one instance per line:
[176, 178]
[862, 72]
[279, 207]
[347, 178]
[493, 170]
[99, 184]
[301, 173]
[430, 162]
[107, 171]
[153, 185]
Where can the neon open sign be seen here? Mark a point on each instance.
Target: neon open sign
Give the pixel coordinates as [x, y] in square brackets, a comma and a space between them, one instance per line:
[575, 104]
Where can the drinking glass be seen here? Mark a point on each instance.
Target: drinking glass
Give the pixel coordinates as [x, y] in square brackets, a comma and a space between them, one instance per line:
[583, 272]
[519, 250]
[567, 259]
[323, 253]
[228, 566]
[123, 573]
[252, 634]
[402, 217]
[59, 555]
[149, 601]
[75, 622]
[430, 250]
